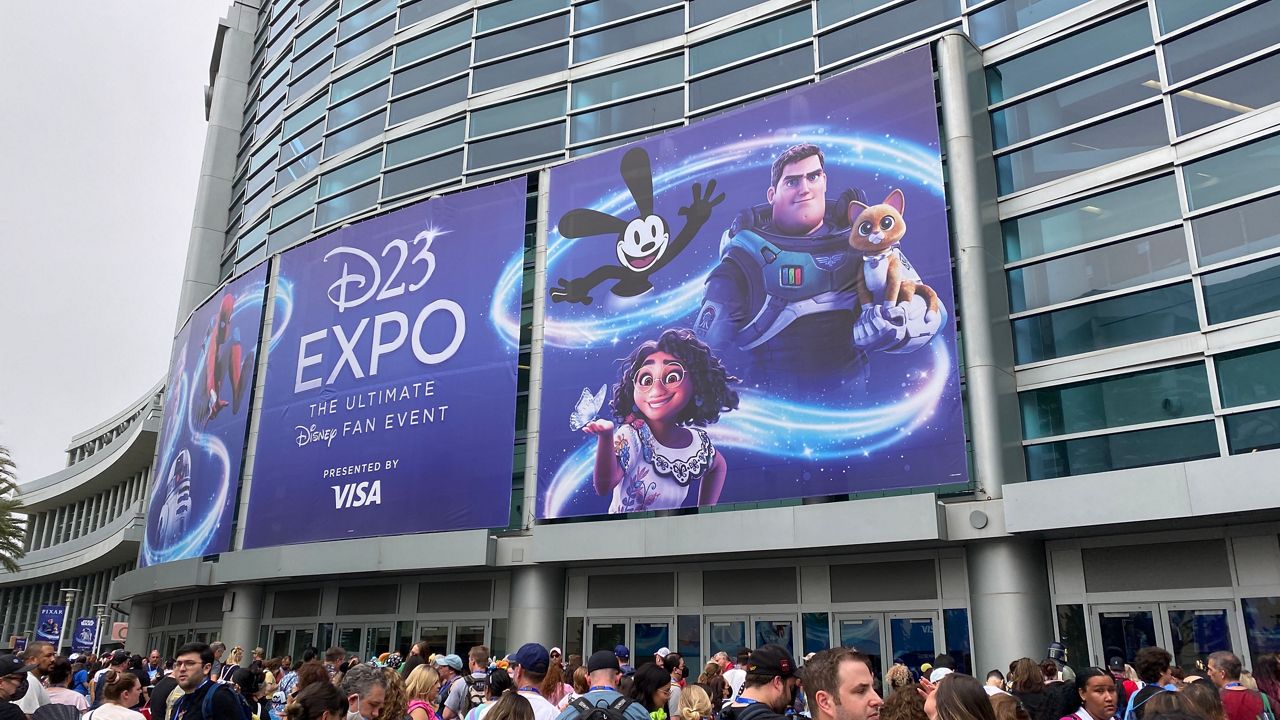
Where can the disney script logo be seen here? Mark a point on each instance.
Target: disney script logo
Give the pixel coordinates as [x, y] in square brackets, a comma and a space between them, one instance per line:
[308, 435]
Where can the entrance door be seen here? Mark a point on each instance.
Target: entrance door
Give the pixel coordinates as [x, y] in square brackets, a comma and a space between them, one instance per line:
[1191, 630]
[468, 634]
[608, 633]
[643, 636]
[648, 635]
[291, 641]
[910, 638]
[774, 630]
[864, 633]
[728, 633]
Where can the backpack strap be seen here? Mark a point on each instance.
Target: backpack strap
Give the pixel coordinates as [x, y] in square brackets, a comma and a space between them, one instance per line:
[583, 706]
[621, 703]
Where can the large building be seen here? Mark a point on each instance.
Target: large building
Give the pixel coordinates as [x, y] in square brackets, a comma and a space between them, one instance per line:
[1113, 186]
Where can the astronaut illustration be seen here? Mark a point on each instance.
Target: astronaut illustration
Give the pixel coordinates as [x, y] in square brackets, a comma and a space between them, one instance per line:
[786, 291]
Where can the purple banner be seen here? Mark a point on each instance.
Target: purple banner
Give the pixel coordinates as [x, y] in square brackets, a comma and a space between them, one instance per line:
[755, 307]
[390, 396]
[196, 473]
[84, 634]
[49, 624]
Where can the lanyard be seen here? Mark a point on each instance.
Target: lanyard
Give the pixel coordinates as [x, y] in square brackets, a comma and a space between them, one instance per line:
[1234, 684]
[602, 687]
[531, 689]
[746, 701]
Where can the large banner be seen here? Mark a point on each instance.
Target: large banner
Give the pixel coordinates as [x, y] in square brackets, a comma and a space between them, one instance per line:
[390, 396]
[84, 635]
[755, 307]
[196, 473]
[49, 624]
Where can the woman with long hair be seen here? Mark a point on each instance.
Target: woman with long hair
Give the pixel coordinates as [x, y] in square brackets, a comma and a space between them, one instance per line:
[1026, 682]
[652, 689]
[1205, 698]
[511, 706]
[309, 673]
[423, 688]
[1266, 672]
[553, 687]
[581, 686]
[695, 704]
[904, 703]
[1007, 707]
[317, 701]
[59, 689]
[956, 697]
[1096, 688]
[396, 704]
[708, 672]
[120, 691]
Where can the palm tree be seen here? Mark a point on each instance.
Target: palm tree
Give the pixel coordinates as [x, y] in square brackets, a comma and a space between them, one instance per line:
[12, 528]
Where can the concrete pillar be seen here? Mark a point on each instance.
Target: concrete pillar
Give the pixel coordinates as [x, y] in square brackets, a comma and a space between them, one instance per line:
[1009, 601]
[537, 606]
[243, 618]
[139, 627]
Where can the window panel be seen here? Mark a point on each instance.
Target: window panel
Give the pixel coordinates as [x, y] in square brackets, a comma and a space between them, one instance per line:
[633, 115]
[761, 74]
[357, 106]
[1173, 14]
[347, 204]
[355, 82]
[355, 134]
[289, 234]
[1116, 401]
[256, 203]
[1005, 18]
[309, 113]
[492, 16]
[309, 59]
[1253, 431]
[1248, 377]
[315, 32]
[517, 146]
[363, 43]
[1242, 291]
[1092, 96]
[1147, 315]
[288, 209]
[422, 175]
[631, 81]
[752, 41]
[1228, 95]
[1111, 267]
[426, 143]
[1083, 149]
[351, 174]
[1237, 231]
[523, 37]
[352, 25]
[421, 103]
[833, 11]
[1226, 40]
[535, 64]
[629, 35]
[1239, 171]
[888, 27]
[308, 82]
[518, 112]
[1112, 39]
[1121, 451]
[431, 71]
[433, 42]
[598, 12]
[251, 239]
[299, 167]
[1112, 213]
[416, 12]
[704, 11]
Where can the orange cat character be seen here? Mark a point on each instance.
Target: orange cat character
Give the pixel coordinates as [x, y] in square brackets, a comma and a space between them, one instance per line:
[887, 275]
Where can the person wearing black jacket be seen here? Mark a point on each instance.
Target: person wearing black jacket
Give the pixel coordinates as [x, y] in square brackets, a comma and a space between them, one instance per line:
[160, 692]
[192, 668]
[769, 687]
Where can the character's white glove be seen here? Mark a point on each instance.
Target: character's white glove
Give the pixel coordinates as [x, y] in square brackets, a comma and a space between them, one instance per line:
[898, 329]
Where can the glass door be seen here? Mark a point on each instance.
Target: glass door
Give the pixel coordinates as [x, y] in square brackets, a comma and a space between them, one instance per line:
[774, 630]
[468, 634]
[303, 638]
[377, 640]
[1197, 629]
[1119, 630]
[608, 633]
[349, 637]
[864, 632]
[436, 638]
[913, 639]
[727, 634]
[649, 635]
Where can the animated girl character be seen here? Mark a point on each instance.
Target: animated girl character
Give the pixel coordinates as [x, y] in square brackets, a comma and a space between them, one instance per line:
[669, 390]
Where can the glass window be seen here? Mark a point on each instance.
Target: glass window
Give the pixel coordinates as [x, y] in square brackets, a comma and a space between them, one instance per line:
[515, 113]
[517, 146]
[752, 41]
[1156, 446]
[1237, 231]
[311, 57]
[889, 27]
[1174, 14]
[1089, 97]
[431, 71]
[315, 32]
[1253, 431]
[362, 104]
[305, 140]
[1147, 315]
[289, 234]
[833, 11]
[248, 261]
[433, 42]
[350, 174]
[355, 134]
[1239, 171]
[352, 25]
[598, 12]
[503, 13]
[251, 239]
[1262, 624]
[1137, 261]
[288, 209]
[704, 11]
[347, 204]
[256, 204]
[526, 313]
[264, 154]
[1226, 40]
[422, 175]
[296, 169]
[1227, 96]
[1247, 377]
[996, 21]
[1112, 39]
[1117, 212]
[360, 44]
[309, 113]
[956, 624]
[1116, 401]
[615, 142]
[524, 67]
[523, 37]
[764, 73]
[353, 83]
[1083, 149]
[1242, 291]
[430, 100]
[420, 10]
[629, 35]
[307, 83]
[437, 139]
[627, 116]
[631, 81]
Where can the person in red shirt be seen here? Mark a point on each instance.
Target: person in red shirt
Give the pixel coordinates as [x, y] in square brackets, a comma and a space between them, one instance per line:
[1239, 702]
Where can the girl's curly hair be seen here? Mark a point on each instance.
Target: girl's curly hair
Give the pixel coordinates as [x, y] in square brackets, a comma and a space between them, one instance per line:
[711, 392]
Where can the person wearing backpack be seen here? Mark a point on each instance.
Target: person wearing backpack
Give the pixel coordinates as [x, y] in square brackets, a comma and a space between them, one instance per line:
[602, 701]
[769, 687]
[471, 692]
[1239, 702]
[1152, 666]
[204, 698]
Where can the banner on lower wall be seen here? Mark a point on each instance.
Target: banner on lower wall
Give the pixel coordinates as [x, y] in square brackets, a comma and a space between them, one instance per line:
[196, 473]
[755, 307]
[390, 397]
[84, 634]
[49, 624]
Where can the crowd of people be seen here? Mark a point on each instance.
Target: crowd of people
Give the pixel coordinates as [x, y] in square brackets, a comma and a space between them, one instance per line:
[206, 682]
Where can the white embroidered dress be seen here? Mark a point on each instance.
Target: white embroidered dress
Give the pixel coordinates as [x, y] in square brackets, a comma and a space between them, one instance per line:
[654, 476]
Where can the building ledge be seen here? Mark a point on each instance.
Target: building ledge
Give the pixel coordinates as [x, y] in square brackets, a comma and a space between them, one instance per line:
[126, 456]
[110, 545]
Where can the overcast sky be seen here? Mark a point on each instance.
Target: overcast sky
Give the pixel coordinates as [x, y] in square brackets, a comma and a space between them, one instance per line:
[101, 133]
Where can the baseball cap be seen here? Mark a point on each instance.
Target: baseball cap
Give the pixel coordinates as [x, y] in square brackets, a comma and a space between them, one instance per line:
[939, 673]
[603, 660]
[451, 660]
[532, 657]
[622, 652]
[1116, 663]
[771, 660]
[12, 665]
[74, 657]
[663, 652]
[118, 657]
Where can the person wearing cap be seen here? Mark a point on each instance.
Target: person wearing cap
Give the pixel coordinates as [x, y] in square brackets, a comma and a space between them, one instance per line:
[603, 674]
[735, 676]
[528, 668]
[769, 688]
[557, 656]
[841, 685]
[624, 656]
[450, 669]
[40, 657]
[14, 684]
